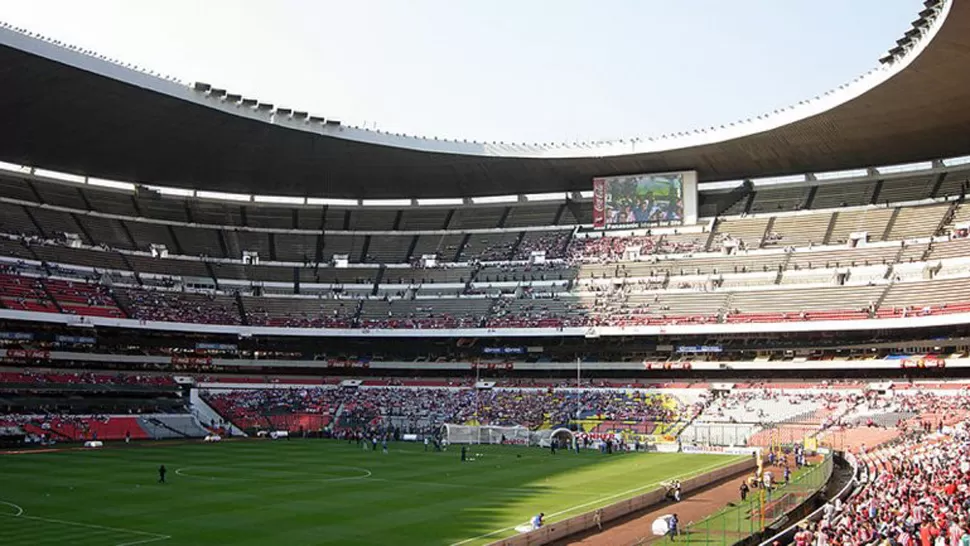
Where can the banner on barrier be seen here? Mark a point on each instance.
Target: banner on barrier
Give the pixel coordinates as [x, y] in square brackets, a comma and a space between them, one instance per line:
[720, 450]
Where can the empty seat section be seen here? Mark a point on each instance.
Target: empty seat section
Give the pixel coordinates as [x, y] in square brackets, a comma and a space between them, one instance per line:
[292, 247]
[900, 190]
[219, 214]
[914, 222]
[55, 222]
[872, 221]
[146, 234]
[253, 272]
[333, 219]
[199, 241]
[520, 273]
[106, 231]
[14, 220]
[372, 219]
[419, 275]
[809, 276]
[424, 218]
[577, 213]
[748, 230]
[951, 185]
[338, 275]
[269, 217]
[101, 259]
[957, 248]
[112, 202]
[169, 266]
[343, 244]
[163, 208]
[771, 200]
[844, 257]
[799, 230]
[239, 242]
[532, 215]
[843, 195]
[389, 248]
[444, 246]
[476, 217]
[16, 188]
[14, 249]
[936, 293]
[961, 215]
[310, 218]
[823, 302]
[60, 195]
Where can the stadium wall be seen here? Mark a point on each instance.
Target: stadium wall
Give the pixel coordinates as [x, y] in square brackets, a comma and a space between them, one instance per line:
[583, 522]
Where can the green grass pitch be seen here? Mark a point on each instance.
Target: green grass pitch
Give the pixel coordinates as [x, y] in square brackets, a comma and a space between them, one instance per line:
[311, 492]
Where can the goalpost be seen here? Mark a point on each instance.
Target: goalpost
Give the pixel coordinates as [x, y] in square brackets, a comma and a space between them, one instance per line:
[516, 435]
[485, 434]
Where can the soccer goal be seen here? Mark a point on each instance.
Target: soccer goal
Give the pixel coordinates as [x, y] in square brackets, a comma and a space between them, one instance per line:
[562, 437]
[485, 434]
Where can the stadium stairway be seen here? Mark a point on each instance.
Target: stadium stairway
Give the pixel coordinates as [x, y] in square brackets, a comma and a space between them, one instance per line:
[205, 413]
[164, 427]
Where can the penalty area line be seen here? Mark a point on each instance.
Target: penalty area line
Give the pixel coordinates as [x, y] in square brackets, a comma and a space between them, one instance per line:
[149, 537]
[600, 500]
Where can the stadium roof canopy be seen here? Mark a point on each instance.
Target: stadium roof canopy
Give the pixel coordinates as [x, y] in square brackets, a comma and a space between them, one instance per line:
[73, 111]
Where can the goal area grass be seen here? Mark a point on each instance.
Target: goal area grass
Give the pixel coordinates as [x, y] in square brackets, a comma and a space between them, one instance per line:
[309, 492]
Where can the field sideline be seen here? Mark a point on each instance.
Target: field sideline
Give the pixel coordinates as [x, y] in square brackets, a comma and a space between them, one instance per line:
[311, 492]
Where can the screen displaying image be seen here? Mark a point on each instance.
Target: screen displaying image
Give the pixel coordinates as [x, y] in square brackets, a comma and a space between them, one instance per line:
[638, 199]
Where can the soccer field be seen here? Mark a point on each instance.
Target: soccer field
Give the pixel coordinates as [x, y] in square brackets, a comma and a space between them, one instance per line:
[311, 492]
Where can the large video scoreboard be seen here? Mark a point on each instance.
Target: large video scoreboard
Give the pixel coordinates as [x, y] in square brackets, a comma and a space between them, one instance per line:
[639, 200]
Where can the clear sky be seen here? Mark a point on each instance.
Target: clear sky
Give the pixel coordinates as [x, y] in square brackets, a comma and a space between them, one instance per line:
[509, 70]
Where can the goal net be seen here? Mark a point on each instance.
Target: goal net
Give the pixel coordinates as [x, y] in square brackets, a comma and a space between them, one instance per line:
[485, 434]
[563, 438]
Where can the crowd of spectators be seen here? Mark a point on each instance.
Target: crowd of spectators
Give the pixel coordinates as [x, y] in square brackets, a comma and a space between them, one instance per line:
[31, 377]
[613, 249]
[621, 304]
[197, 308]
[423, 408]
[919, 494]
[553, 244]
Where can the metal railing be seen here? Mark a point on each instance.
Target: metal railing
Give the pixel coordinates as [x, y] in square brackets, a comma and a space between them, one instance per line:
[761, 509]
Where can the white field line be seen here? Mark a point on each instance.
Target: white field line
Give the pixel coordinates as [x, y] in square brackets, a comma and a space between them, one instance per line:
[597, 501]
[145, 541]
[150, 537]
[17, 507]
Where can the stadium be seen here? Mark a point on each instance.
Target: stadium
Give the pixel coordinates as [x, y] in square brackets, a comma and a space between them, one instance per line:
[315, 333]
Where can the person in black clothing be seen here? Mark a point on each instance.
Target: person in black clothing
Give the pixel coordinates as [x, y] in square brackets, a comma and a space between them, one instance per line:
[744, 491]
[464, 453]
[161, 474]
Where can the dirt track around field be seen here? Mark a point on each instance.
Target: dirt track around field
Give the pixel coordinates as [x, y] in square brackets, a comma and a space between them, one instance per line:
[636, 528]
